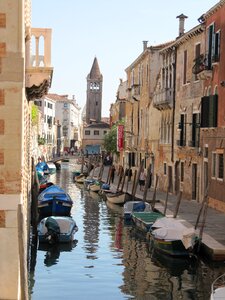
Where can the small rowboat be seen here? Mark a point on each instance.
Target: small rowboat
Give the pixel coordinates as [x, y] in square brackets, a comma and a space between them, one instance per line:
[134, 206]
[56, 229]
[170, 236]
[218, 288]
[117, 198]
[54, 201]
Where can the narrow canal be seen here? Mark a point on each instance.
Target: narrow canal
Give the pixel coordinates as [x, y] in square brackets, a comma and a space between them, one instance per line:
[111, 261]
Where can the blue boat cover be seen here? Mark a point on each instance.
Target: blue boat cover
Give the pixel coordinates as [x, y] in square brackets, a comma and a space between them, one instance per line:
[54, 192]
[139, 207]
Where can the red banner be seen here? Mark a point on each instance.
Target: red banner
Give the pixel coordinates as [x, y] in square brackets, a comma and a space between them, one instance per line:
[120, 137]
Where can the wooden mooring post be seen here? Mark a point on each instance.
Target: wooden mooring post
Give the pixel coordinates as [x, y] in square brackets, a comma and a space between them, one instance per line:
[179, 197]
[137, 179]
[155, 189]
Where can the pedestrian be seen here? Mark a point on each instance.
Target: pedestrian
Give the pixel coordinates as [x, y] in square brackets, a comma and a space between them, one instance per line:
[112, 173]
[142, 179]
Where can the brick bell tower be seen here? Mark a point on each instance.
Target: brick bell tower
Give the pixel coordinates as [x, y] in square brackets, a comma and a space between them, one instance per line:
[94, 94]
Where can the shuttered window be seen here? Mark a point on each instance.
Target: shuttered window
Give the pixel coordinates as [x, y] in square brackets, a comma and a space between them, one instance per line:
[209, 110]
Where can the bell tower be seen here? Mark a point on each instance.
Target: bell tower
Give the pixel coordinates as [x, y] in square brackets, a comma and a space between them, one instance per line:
[94, 94]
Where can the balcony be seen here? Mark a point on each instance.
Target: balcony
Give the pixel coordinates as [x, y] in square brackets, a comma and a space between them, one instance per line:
[134, 92]
[203, 67]
[38, 67]
[163, 99]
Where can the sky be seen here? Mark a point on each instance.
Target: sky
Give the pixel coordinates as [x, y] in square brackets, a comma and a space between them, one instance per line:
[111, 30]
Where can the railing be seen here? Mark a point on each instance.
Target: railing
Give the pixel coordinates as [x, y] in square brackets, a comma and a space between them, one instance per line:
[202, 63]
[164, 97]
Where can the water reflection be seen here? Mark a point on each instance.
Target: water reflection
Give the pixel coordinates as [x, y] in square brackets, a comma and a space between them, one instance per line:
[53, 251]
[110, 260]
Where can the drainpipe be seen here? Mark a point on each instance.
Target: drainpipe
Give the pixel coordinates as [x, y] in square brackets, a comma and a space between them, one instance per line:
[174, 102]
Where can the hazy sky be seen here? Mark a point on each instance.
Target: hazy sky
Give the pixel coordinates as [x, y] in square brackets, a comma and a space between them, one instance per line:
[111, 30]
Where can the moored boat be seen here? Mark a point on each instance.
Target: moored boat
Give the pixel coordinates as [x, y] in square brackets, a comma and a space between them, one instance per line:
[144, 220]
[54, 201]
[117, 198]
[173, 238]
[44, 185]
[56, 229]
[218, 288]
[80, 178]
[134, 206]
[95, 187]
[51, 167]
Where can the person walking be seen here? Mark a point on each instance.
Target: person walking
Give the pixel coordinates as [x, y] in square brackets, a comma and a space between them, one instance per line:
[112, 173]
[142, 179]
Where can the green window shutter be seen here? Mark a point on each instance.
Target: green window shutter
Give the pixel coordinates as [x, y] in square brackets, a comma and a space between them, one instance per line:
[205, 112]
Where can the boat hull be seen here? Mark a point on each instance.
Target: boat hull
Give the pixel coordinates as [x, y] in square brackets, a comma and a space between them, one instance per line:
[118, 198]
[54, 201]
[144, 220]
[172, 248]
[134, 206]
[67, 227]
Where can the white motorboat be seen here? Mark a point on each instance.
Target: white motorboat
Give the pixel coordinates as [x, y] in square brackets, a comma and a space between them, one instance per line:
[218, 288]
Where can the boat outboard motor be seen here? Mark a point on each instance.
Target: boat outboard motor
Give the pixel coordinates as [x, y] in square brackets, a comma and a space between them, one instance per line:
[52, 235]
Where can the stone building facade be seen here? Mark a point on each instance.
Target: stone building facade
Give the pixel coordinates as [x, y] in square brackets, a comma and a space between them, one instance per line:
[211, 69]
[19, 83]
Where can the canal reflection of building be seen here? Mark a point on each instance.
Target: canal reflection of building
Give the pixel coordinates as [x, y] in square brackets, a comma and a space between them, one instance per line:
[91, 225]
[150, 275]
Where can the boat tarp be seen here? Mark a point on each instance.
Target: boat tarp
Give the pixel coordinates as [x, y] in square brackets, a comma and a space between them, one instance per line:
[170, 229]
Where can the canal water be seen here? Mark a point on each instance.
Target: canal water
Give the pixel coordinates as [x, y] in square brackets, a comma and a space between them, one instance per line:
[111, 261]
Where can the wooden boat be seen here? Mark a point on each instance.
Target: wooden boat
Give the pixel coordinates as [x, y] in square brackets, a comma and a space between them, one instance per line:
[218, 288]
[116, 198]
[144, 220]
[173, 238]
[134, 206]
[44, 185]
[95, 187]
[80, 178]
[56, 229]
[51, 167]
[54, 201]
[88, 181]
[76, 173]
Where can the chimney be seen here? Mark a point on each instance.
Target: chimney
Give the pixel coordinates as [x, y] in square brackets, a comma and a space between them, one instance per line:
[145, 45]
[181, 18]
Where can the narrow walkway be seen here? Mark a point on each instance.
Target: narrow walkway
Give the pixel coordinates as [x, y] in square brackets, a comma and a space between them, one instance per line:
[213, 241]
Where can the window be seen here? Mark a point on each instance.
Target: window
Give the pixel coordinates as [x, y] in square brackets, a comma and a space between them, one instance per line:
[105, 132]
[216, 54]
[96, 132]
[210, 45]
[206, 152]
[87, 132]
[214, 165]
[185, 68]
[164, 169]
[220, 166]
[209, 106]
[197, 55]
[182, 171]
[182, 128]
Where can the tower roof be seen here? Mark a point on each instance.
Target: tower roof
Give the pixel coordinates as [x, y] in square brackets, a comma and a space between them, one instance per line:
[95, 71]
